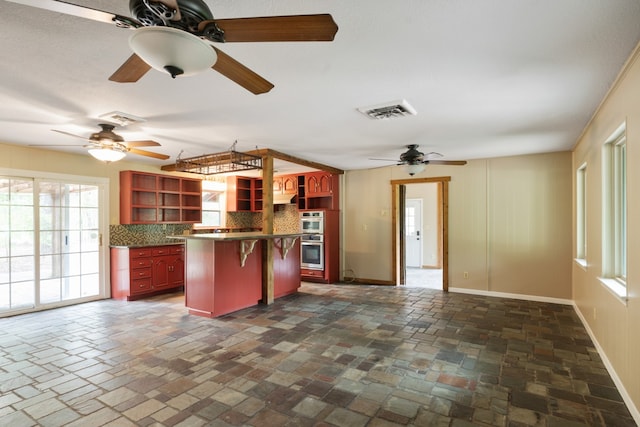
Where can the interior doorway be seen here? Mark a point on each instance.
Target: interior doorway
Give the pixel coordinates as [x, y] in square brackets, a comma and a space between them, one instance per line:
[432, 267]
[413, 232]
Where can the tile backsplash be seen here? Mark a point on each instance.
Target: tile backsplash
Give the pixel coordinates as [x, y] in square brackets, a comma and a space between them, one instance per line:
[145, 234]
[286, 220]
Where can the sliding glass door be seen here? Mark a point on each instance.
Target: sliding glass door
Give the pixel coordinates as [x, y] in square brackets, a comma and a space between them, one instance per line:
[17, 244]
[69, 241]
[50, 247]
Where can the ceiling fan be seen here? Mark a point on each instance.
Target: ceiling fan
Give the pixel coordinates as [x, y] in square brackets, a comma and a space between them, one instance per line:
[174, 36]
[108, 146]
[416, 160]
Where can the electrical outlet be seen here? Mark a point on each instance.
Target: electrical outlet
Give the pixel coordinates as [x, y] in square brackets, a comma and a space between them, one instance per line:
[364, 227]
[466, 274]
[595, 313]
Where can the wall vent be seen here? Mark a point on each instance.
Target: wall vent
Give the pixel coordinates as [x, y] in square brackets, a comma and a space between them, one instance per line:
[122, 119]
[389, 110]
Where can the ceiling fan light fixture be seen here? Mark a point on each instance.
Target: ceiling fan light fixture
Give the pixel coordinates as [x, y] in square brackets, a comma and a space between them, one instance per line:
[414, 168]
[108, 153]
[172, 50]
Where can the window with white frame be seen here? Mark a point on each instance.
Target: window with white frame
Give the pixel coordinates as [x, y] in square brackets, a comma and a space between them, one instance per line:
[614, 215]
[213, 204]
[581, 214]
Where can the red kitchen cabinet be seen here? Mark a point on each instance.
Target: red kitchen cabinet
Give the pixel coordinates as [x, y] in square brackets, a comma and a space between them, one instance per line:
[320, 184]
[318, 190]
[240, 194]
[289, 184]
[142, 272]
[147, 198]
[168, 267]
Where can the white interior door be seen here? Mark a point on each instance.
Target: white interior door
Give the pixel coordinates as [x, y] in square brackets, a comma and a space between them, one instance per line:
[413, 232]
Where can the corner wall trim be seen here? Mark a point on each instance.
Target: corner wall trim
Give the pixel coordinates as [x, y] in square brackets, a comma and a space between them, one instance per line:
[614, 376]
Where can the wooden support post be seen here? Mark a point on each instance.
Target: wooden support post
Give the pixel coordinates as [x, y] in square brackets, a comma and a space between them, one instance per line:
[267, 228]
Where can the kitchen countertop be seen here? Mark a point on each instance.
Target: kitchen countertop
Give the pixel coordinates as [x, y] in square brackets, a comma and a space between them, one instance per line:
[147, 245]
[249, 235]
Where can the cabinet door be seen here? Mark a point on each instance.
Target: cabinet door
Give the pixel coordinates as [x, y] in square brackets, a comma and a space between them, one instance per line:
[290, 184]
[311, 185]
[319, 184]
[160, 273]
[176, 270]
[325, 184]
[278, 185]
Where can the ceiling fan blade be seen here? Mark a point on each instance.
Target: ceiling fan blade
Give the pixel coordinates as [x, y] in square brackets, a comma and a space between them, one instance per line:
[82, 12]
[131, 71]
[148, 153]
[233, 70]
[383, 160]
[292, 28]
[148, 143]
[70, 134]
[446, 162]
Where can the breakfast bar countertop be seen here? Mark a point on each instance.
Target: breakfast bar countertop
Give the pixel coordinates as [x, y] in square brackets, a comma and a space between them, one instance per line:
[147, 245]
[248, 235]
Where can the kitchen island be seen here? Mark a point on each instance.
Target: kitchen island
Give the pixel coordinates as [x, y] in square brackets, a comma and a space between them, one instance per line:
[225, 272]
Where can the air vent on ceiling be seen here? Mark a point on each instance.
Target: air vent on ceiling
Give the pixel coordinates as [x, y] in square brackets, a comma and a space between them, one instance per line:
[389, 111]
[123, 119]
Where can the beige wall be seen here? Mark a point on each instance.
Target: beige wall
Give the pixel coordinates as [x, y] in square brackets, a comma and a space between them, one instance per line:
[509, 224]
[24, 158]
[614, 323]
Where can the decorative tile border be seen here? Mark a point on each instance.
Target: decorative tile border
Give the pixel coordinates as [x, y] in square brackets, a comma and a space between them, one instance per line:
[144, 234]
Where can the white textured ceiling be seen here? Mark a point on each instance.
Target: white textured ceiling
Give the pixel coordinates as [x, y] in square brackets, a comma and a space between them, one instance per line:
[488, 78]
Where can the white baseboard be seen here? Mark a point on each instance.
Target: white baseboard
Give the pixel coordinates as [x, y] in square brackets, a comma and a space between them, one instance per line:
[512, 296]
[614, 376]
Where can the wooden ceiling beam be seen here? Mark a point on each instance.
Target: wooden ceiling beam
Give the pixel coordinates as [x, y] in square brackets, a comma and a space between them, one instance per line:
[267, 152]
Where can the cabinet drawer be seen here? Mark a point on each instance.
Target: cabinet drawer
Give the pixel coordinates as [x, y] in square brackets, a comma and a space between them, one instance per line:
[141, 273]
[140, 263]
[139, 253]
[138, 286]
[161, 250]
[312, 273]
[178, 249]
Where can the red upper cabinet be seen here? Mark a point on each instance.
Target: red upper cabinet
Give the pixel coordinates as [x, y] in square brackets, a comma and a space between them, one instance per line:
[320, 184]
[285, 184]
[147, 198]
[278, 185]
[244, 194]
[321, 190]
[240, 194]
[289, 184]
